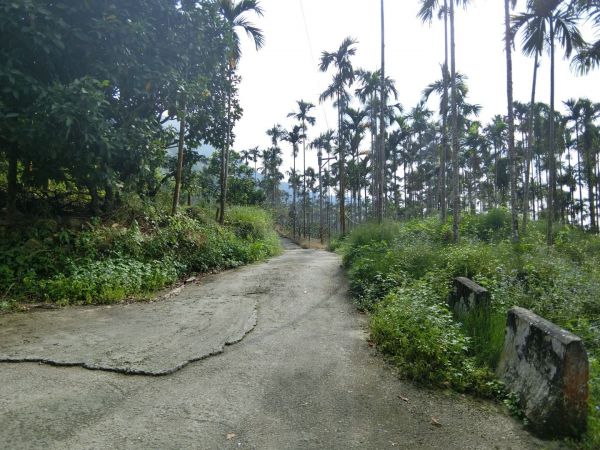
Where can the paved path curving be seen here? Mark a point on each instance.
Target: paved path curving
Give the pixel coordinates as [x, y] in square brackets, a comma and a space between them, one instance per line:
[303, 378]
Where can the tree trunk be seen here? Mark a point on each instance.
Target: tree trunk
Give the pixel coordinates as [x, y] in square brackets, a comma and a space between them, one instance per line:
[341, 166]
[294, 195]
[321, 225]
[580, 175]
[225, 151]
[304, 180]
[529, 150]
[598, 192]
[380, 200]
[511, 125]
[590, 164]
[180, 147]
[444, 156]
[455, 149]
[551, 151]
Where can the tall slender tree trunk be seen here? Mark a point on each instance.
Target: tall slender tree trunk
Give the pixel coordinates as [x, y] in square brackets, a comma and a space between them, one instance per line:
[382, 184]
[180, 147]
[455, 149]
[341, 165]
[598, 192]
[444, 156]
[321, 224]
[225, 152]
[294, 194]
[590, 165]
[580, 175]
[530, 140]
[373, 187]
[304, 180]
[511, 125]
[551, 150]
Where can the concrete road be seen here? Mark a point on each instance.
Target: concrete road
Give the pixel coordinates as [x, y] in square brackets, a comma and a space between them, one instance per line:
[303, 378]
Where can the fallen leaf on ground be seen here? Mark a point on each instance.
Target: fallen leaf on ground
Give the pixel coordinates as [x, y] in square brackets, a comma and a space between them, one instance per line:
[230, 436]
[435, 422]
[403, 399]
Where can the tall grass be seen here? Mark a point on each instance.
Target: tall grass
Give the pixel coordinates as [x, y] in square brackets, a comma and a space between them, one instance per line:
[109, 262]
[399, 271]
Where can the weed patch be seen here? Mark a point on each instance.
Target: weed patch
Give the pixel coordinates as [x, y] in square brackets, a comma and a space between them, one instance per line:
[401, 274]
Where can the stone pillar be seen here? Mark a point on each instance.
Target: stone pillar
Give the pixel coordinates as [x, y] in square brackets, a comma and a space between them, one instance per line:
[466, 296]
[547, 367]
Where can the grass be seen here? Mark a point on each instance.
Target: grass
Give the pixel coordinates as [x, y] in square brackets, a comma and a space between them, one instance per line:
[401, 274]
[113, 261]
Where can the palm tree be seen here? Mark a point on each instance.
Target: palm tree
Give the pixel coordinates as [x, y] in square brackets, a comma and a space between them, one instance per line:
[245, 155]
[428, 7]
[508, 41]
[382, 110]
[355, 126]
[303, 117]
[254, 154]
[590, 137]
[294, 137]
[340, 59]
[454, 110]
[323, 142]
[574, 110]
[369, 93]
[544, 22]
[273, 160]
[588, 57]
[234, 14]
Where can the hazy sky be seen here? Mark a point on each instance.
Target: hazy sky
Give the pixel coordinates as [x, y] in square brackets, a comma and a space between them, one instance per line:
[297, 31]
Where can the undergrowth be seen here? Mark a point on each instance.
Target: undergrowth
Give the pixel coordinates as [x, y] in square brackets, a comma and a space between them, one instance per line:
[108, 262]
[401, 274]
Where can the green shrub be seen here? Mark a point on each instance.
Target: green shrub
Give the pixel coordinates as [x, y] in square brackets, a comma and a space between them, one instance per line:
[486, 330]
[592, 438]
[99, 263]
[402, 273]
[418, 332]
[373, 232]
[106, 281]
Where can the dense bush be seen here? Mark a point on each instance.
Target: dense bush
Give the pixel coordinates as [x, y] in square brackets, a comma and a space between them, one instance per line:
[101, 263]
[414, 327]
[401, 273]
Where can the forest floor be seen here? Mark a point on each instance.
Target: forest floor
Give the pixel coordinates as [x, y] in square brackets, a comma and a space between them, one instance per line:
[300, 375]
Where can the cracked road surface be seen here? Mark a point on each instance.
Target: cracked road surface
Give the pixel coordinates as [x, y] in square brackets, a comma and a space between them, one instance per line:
[303, 378]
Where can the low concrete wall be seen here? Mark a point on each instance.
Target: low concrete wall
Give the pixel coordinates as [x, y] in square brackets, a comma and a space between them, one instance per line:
[547, 367]
[466, 296]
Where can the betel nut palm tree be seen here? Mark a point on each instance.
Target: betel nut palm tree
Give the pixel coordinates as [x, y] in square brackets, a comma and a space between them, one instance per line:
[234, 14]
[426, 13]
[544, 22]
[344, 76]
[508, 42]
[302, 115]
[294, 136]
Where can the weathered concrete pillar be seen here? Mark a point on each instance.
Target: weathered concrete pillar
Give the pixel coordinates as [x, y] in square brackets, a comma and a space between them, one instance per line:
[466, 296]
[547, 367]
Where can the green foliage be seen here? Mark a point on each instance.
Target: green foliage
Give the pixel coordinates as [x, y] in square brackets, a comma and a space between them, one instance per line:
[486, 331]
[106, 281]
[401, 273]
[592, 438]
[102, 263]
[88, 121]
[414, 326]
